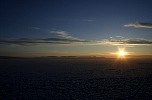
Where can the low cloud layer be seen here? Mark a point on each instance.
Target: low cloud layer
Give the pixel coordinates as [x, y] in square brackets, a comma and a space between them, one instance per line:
[63, 37]
[139, 25]
[130, 42]
[28, 41]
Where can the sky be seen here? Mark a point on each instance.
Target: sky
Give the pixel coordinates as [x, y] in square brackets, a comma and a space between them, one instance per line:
[75, 27]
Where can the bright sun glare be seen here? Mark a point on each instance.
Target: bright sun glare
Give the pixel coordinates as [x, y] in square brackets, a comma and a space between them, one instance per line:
[122, 53]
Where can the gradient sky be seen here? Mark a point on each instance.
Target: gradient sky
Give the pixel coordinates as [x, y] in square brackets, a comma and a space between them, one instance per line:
[75, 27]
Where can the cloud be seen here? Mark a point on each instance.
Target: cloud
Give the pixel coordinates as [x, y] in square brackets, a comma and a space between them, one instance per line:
[28, 41]
[88, 20]
[138, 41]
[139, 25]
[39, 41]
[64, 34]
[36, 28]
[130, 42]
[63, 38]
[59, 33]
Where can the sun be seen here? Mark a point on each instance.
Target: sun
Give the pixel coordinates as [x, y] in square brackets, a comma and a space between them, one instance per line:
[121, 53]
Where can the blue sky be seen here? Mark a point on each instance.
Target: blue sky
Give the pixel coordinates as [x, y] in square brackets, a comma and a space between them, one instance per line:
[84, 21]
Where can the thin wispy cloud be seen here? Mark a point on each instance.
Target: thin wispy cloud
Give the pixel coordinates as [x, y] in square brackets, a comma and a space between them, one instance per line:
[139, 25]
[63, 34]
[36, 28]
[88, 20]
[59, 33]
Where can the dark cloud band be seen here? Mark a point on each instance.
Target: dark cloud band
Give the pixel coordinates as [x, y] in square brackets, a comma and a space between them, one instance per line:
[28, 41]
[130, 42]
